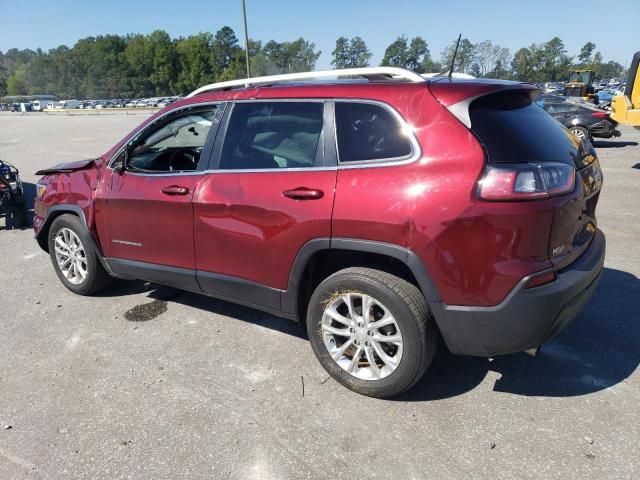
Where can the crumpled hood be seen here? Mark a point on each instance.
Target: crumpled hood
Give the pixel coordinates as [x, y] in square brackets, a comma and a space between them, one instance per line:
[67, 167]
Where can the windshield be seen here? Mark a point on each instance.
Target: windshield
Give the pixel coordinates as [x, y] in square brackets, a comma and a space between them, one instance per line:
[580, 77]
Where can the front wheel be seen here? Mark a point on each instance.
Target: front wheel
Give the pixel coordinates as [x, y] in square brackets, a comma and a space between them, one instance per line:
[371, 331]
[76, 264]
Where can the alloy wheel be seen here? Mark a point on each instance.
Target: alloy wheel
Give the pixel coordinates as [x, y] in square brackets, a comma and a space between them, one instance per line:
[579, 133]
[362, 336]
[71, 256]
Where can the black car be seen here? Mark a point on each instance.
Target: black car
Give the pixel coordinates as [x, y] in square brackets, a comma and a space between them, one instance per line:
[583, 120]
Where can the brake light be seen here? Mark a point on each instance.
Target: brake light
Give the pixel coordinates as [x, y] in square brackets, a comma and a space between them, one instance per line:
[526, 181]
[600, 114]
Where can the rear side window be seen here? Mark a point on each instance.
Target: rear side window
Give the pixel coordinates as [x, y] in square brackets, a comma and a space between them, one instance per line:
[369, 132]
[263, 135]
[513, 129]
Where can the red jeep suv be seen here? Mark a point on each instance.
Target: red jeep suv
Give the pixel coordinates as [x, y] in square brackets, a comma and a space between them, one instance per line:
[380, 209]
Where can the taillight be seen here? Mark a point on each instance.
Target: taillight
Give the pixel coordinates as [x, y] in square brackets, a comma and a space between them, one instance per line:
[600, 114]
[526, 181]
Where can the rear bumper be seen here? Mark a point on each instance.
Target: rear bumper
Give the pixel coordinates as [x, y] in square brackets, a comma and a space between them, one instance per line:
[604, 129]
[527, 317]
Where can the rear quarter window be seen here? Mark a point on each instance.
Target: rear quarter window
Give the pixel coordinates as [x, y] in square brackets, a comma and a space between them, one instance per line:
[367, 132]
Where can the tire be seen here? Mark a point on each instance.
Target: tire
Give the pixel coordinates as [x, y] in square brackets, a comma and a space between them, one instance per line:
[580, 132]
[413, 334]
[95, 277]
[19, 217]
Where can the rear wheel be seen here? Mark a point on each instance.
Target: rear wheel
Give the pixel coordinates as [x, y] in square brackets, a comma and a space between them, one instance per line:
[76, 264]
[371, 331]
[580, 132]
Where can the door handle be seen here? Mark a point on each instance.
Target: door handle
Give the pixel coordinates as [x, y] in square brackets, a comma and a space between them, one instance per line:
[175, 190]
[303, 193]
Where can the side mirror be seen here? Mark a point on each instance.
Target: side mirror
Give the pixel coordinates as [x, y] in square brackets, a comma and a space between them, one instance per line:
[121, 167]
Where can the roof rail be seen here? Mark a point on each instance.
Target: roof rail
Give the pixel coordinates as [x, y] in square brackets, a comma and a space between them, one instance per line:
[371, 73]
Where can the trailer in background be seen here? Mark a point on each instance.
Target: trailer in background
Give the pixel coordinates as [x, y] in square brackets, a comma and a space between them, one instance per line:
[41, 102]
[69, 104]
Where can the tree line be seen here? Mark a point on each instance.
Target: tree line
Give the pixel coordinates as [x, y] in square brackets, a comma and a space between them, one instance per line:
[135, 65]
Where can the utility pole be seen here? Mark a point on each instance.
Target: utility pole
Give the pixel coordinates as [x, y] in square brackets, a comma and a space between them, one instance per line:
[246, 36]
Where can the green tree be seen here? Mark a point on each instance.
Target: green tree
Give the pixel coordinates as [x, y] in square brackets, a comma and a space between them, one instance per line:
[465, 57]
[351, 53]
[17, 83]
[586, 51]
[487, 55]
[225, 49]
[139, 66]
[395, 55]
[418, 56]
[288, 57]
[342, 53]
[610, 70]
[413, 55]
[193, 55]
[522, 68]
[555, 62]
[163, 62]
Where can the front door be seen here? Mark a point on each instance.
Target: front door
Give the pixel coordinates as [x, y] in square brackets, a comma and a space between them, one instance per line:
[272, 191]
[144, 211]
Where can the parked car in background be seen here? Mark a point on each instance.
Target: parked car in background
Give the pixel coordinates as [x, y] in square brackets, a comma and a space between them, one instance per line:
[141, 104]
[599, 86]
[605, 96]
[130, 104]
[583, 120]
[69, 104]
[348, 208]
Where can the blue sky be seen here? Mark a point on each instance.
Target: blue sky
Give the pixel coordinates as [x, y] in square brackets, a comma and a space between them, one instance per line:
[614, 29]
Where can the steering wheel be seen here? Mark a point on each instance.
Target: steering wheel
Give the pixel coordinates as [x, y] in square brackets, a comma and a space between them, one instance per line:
[182, 155]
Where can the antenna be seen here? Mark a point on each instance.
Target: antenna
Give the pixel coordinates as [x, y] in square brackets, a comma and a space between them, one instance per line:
[455, 53]
[246, 36]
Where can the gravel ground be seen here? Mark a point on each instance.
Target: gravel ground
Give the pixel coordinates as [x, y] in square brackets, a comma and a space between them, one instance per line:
[207, 389]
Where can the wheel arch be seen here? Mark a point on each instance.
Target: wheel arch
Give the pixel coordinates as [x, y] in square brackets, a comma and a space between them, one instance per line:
[56, 211]
[321, 257]
[53, 213]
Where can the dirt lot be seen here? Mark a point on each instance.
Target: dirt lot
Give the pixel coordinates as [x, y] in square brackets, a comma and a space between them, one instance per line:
[209, 389]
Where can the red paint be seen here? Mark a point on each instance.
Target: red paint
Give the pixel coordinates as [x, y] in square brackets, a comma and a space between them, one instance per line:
[246, 227]
[251, 225]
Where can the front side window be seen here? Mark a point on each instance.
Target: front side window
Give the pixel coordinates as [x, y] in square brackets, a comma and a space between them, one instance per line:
[172, 145]
[272, 135]
[368, 131]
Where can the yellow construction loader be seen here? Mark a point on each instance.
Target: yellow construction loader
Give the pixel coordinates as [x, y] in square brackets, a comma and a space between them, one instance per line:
[625, 109]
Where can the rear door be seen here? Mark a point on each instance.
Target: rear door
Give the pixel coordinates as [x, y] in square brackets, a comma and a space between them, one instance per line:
[144, 213]
[270, 192]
